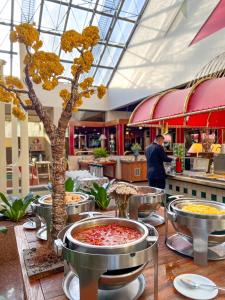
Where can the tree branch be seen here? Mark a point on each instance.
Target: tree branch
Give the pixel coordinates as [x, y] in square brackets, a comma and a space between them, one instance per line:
[66, 78]
[50, 128]
[13, 89]
[25, 107]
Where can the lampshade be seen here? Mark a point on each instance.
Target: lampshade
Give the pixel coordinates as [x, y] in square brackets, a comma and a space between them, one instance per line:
[197, 147]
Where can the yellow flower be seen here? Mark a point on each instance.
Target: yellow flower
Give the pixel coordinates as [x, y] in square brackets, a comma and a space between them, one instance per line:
[101, 90]
[45, 67]
[84, 61]
[12, 81]
[25, 33]
[71, 39]
[18, 113]
[37, 45]
[5, 96]
[74, 69]
[90, 36]
[87, 82]
[28, 102]
[65, 95]
[86, 94]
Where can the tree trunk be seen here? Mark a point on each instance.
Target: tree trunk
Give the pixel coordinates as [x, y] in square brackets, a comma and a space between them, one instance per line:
[59, 215]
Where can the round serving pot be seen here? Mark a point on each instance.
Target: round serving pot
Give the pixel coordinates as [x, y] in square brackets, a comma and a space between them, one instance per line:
[148, 200]
[132, 246]
[185, 222]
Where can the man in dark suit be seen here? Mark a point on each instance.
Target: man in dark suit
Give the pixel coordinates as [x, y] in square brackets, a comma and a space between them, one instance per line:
[156, 156]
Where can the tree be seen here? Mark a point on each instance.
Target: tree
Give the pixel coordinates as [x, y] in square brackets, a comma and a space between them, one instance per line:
[44, 68]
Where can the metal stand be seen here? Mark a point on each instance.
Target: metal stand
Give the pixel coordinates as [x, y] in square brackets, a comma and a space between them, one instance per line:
[153, 219]
[90, 267]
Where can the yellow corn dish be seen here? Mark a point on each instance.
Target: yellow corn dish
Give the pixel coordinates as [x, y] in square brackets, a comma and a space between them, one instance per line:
[202, 209]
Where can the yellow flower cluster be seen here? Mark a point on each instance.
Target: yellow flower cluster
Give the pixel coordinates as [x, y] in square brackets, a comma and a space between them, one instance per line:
[45, 67]
[18, 113]
[90, 36]
[72, 39]
[5, 96]
[83, 63]
[65, 95]
[86, 83]
[12, 81]
[101, 90]
[27, 34]
[77, 103]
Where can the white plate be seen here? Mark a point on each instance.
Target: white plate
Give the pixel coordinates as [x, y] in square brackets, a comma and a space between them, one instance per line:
[29, 225]
[192, 293]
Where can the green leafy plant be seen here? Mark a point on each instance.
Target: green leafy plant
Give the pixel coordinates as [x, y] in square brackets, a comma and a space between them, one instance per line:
[100, 152]
[15, 210]
[136, 147]
[102, 198]
[3, 229]
[69, 185]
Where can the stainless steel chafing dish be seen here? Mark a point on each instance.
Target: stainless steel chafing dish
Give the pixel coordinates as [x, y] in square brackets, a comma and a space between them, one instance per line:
[201, 236]
[74, 211]
[107, 272]
[145, 204]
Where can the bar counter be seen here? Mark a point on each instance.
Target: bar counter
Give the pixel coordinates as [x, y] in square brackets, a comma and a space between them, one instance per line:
[171, 265]
[197, 184]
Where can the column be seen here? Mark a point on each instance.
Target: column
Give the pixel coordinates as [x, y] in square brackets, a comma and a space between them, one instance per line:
[2, 139]
[15, 156]
[220, 136]
[24, 140]
[71, 140]
[179, 135]
[120, 139]
[152, 134]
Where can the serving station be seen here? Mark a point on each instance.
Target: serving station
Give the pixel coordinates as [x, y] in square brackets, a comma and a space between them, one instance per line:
[198, 235]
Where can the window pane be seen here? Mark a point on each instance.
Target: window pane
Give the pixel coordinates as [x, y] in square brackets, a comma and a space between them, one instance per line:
[69, 55]
[111, 56]
[4, 37]
[83, 3]
[5, 10]
[102, 76]
[53, 16]
[97, 51]
[78, 19]
[108, 6]
[121, 32]
[131, 9]
[51, 43]
[103, 24]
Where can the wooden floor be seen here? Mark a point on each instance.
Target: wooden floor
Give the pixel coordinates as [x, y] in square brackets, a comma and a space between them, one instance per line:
[171, 264]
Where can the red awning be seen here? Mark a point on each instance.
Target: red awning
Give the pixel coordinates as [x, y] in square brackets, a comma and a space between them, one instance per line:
[202, 105]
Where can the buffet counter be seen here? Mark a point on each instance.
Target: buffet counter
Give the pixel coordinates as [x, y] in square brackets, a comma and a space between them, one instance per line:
[171, 265]
[197, 184]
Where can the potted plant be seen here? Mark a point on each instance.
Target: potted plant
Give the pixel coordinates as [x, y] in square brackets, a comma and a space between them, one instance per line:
[100, 152]
[136, 148]
[45, 68]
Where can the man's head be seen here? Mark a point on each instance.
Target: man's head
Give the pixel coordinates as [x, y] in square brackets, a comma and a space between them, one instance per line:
[159, 139]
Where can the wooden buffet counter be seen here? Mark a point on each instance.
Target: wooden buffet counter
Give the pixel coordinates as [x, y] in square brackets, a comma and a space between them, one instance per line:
[133, 171]
[171, 265]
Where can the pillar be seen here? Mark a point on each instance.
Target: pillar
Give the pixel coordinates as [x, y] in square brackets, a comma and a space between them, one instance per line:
[15, 155]
[71, 140]
[221, 136]
[152, 134]
[120, 139]
[3, 181]
[24, 139]
[179, 135]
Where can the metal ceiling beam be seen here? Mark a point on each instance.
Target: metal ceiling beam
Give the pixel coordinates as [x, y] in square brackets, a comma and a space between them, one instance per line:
[8, 52]
[11, 44]
[129, 39]
[66, 21]
[90, 10]
[40, 14]
[94, 12]
[110, 30]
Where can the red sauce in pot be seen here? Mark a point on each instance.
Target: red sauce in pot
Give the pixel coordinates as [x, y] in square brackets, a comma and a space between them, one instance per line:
[107, 235]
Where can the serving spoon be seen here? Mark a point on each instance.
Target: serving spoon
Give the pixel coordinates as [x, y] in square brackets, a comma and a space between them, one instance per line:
[194, 285]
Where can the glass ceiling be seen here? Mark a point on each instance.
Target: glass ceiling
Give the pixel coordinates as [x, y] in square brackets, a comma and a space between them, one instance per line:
[116, 19]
